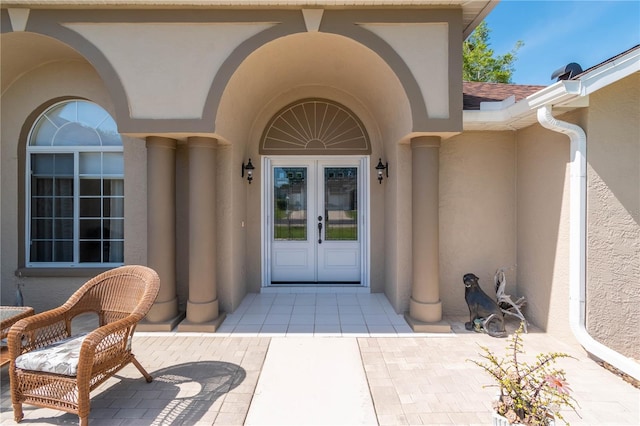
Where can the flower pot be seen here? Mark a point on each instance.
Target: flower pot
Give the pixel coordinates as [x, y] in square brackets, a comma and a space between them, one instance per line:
[498, 420]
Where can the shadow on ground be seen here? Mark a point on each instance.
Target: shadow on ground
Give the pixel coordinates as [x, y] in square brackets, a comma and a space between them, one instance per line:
[180, 394]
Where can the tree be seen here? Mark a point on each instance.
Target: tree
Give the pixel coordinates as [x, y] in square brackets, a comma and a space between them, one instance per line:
[479, 62]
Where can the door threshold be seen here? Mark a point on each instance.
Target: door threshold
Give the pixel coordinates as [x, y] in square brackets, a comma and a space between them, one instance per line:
[316, 283]
[316, 288]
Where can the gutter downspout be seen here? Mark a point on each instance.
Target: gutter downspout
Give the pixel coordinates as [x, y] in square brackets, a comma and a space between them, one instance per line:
[578, 244]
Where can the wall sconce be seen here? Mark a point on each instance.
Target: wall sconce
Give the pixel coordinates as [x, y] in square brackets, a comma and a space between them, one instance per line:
[380, 167]
[249, 168]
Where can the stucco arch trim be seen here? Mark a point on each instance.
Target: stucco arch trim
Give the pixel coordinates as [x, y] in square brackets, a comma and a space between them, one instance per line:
[59, 25]
[353, 24]
[55, 23]
[315, 126]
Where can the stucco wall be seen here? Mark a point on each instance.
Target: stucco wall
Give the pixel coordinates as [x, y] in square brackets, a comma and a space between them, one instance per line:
[397, 227]
[613, 215]
[477, 212]
[543, 226]
[27, 95]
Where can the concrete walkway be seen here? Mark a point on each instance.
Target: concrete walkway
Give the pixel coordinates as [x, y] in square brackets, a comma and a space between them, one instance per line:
[317, 381]
[326, 374]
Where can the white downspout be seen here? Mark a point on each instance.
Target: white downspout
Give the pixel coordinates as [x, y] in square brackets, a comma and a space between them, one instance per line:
[578, 244]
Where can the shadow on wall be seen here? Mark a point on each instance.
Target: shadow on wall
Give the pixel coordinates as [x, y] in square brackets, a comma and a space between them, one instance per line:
[543, 159]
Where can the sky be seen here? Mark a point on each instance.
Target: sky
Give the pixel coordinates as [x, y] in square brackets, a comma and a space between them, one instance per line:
[556, 33]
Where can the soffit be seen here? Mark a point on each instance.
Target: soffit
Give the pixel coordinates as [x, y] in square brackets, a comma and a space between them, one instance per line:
[311, 65]
[473, 11]
[42, 50]
[473, 120]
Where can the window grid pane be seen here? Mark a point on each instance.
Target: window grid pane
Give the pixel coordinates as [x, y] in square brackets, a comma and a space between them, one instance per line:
[101, 220]
[51, 208]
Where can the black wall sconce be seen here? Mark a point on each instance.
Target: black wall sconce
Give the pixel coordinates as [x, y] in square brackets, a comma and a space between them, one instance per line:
[249, 168]
[380, 167]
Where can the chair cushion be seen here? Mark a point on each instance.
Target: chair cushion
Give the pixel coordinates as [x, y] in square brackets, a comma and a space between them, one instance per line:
[61, 357]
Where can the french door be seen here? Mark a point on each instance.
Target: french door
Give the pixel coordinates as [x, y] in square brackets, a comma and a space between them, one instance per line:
[315, 220]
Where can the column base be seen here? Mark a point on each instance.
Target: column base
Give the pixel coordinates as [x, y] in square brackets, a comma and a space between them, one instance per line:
[162, 312]
[426, 317]
[168, 325]
[202, 312]
[202, 327]
[424, 311]
[427, 327]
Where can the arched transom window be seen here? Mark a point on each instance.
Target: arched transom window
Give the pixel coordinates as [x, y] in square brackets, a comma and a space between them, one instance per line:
[315, 127]
[75, 188]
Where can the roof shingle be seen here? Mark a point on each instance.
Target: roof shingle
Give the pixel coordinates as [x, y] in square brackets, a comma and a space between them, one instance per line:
[476, 92]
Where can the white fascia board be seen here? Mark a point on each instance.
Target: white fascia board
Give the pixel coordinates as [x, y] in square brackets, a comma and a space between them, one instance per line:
[497, 105]
[611, 72]
[558, 93]
[562, 91]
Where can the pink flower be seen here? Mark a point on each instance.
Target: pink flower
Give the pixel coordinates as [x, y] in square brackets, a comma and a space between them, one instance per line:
[558, 383]
[511, 416]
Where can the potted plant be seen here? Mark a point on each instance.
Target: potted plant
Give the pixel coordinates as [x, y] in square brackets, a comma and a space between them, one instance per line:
[529, 393]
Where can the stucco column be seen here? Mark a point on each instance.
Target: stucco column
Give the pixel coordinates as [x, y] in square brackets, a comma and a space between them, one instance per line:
[161, 231]
[425, 307]
[202, 306]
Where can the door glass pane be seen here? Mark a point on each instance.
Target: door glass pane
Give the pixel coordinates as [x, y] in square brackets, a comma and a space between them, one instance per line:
[341, 203]
[290, 203]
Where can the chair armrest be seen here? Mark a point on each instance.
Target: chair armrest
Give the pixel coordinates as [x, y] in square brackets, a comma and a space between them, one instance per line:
[37, 331]
[105, 346]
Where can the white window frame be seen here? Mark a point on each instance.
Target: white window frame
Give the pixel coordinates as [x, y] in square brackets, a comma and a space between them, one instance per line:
[76, 151]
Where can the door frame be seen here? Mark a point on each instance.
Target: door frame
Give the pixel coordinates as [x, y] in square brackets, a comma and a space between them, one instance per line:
[265, 213]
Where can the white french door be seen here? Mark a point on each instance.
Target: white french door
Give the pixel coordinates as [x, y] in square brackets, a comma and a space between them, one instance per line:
[315, 220]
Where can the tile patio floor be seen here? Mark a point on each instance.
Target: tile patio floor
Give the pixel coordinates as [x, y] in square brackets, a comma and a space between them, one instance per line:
[211, 379]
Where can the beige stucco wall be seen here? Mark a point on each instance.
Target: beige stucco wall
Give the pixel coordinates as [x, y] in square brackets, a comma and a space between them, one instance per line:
[477, 212]
[26, 96]
[543, 226]
[613, 215]
[397, 227]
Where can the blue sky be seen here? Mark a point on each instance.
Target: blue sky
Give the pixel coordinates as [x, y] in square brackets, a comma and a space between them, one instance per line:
[556, 33]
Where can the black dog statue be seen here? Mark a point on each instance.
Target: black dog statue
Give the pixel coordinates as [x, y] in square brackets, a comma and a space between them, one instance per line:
[484, 311]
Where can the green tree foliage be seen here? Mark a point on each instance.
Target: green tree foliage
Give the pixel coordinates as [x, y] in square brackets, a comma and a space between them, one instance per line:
[479, 62]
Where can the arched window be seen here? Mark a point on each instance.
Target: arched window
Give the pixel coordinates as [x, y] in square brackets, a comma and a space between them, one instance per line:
[75, 188]
[315, 127]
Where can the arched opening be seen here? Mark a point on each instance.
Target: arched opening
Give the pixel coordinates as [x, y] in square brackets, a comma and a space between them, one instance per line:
[281, 74]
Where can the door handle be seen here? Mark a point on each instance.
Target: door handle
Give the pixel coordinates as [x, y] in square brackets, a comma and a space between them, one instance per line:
[319, 229]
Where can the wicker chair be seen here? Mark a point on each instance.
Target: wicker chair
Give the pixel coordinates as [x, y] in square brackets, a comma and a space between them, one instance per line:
[120, 297]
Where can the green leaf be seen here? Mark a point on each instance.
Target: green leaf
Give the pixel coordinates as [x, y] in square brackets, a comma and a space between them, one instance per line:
[480, 63]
